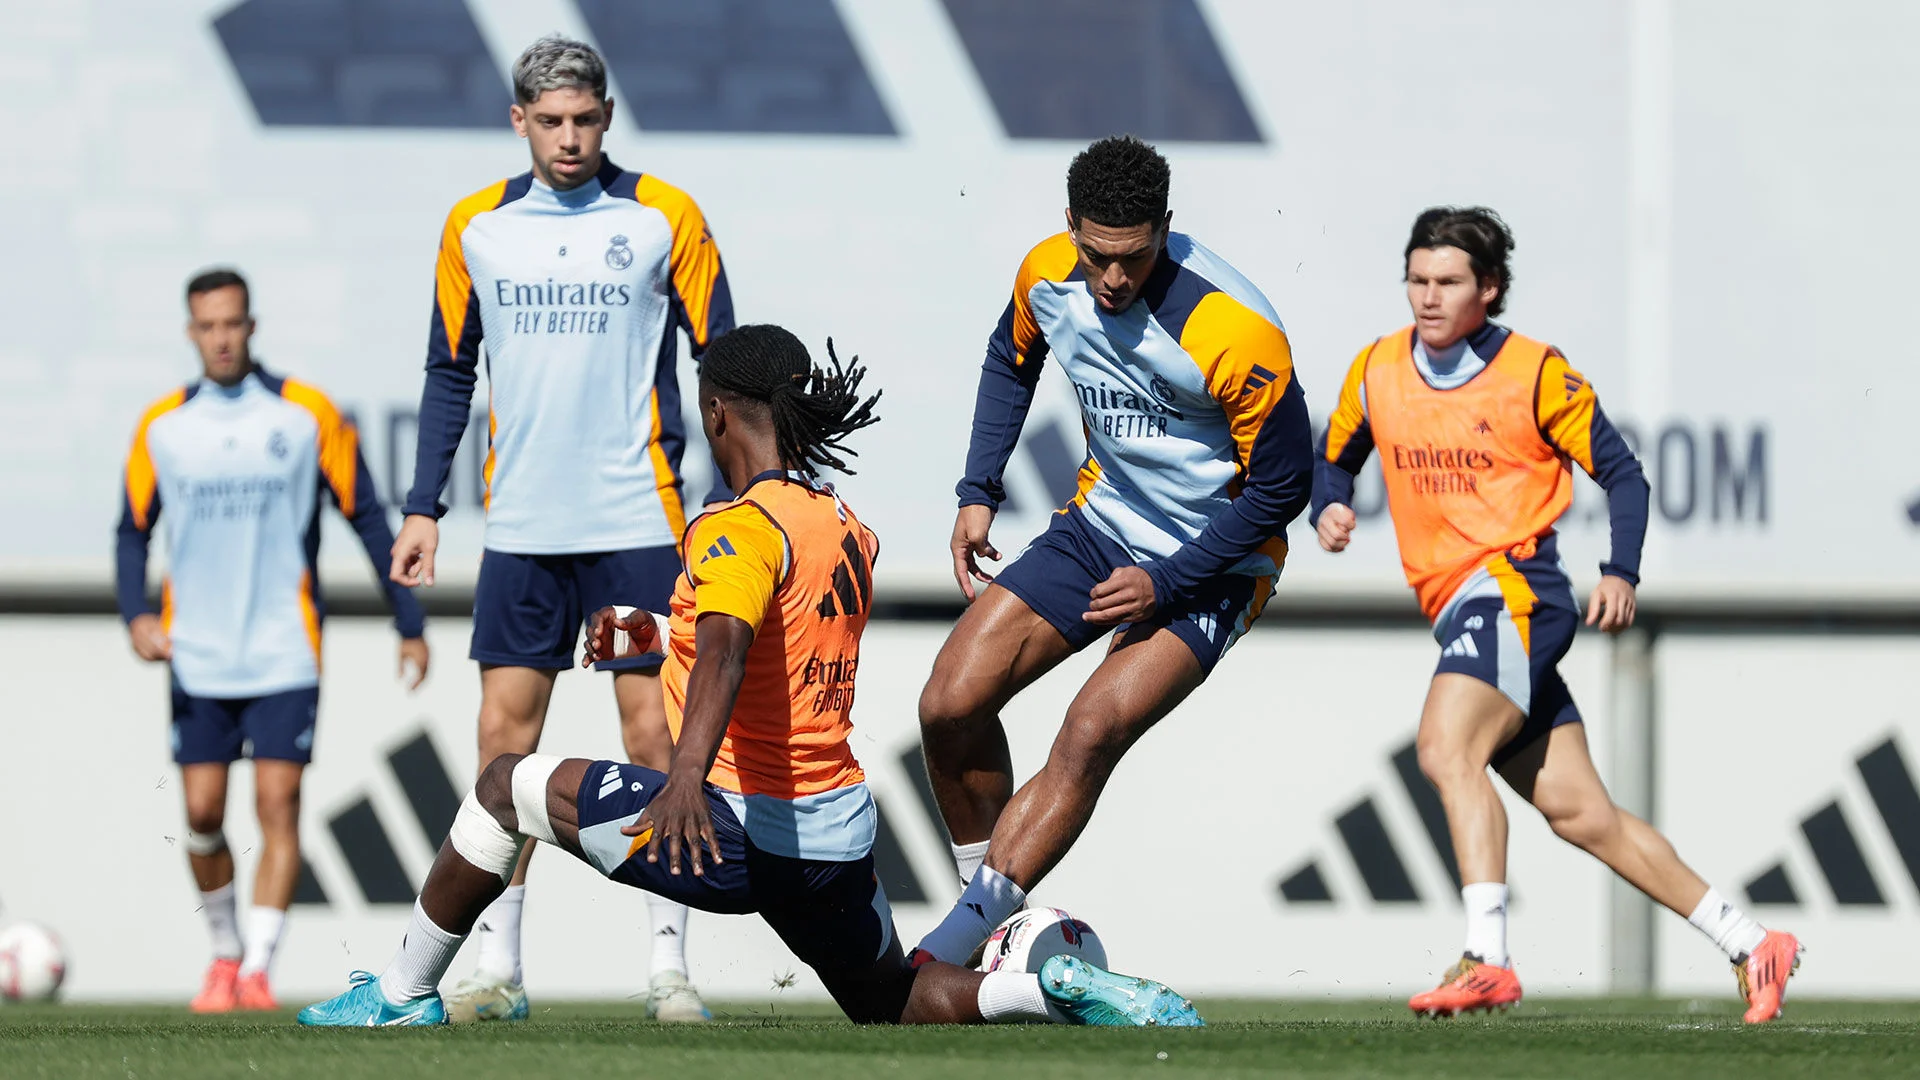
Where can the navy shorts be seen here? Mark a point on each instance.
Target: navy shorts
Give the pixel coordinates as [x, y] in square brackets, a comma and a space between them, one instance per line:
[833, 915]
[1517, 654]
[277, 726]
[1057, 572]
[528, 610]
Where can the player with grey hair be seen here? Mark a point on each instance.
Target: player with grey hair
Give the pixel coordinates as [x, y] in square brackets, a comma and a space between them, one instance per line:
[575, 274]
[558, 63]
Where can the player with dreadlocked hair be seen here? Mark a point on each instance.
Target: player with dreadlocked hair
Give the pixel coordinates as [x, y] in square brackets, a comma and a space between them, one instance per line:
[813, 409]
[764, 807]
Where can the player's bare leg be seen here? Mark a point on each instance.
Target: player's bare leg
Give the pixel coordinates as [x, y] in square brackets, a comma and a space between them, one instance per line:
[644, 734]
[1557, 776]
[999, 647]
[205, 788]
[276, 799]
[513, 710]
[1465, 721]
[1142, 679]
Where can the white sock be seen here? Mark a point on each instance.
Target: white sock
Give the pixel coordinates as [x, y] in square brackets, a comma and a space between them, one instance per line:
[1728, 926]
[1014, 996]
[264, 925]
[223, 922]
[425, 953]
[669, 934]
[968, 857]
[498, 934]
[1486, 904]
[989, 898]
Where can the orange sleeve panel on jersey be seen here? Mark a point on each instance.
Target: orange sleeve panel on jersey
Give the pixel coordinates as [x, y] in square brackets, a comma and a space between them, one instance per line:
[1564, 405]
[695, 259]
[142, 482]
[1247, 362]
[339, 442]
[1349, 417]
[736, 559]
[1051, 260]
[453, 287]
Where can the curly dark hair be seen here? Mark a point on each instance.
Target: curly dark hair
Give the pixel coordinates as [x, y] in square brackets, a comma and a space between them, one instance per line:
[812, 408]
[1117, 182]
[1475, 230]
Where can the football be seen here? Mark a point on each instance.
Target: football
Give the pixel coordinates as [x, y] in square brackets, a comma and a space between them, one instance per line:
[32, 963]
[1032, 937]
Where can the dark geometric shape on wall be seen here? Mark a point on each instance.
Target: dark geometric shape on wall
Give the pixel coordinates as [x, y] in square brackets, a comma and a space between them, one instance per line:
[1891, 784]
[364, 63]
[1840, 858]
[1772, 887]
[1306, 886]
[1374, 855]
[1084, 69]
[785, 66]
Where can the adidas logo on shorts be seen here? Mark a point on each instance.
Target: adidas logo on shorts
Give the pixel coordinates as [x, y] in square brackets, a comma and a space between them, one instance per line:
[611, 782]
[1462, 646]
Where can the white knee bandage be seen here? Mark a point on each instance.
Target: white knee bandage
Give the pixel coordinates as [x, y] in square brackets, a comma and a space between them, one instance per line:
[212, 843]
[530, 778]
[482, 841]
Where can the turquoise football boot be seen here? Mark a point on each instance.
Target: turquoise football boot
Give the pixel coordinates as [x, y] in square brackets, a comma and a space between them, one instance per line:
[363, 1006]
[1099, 998]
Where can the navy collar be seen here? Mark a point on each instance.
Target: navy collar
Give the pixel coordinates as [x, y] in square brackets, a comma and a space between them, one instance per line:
[786, 476]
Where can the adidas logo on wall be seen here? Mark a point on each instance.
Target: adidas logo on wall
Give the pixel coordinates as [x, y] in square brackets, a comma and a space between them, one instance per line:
[364, 842]
[1363, 832]
[1836, 847]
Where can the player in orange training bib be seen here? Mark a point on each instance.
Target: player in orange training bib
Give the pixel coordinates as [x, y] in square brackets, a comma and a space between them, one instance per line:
[1477, 428]
[764, 808]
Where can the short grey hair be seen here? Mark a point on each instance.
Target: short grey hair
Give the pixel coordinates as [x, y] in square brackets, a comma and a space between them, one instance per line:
[555, 63]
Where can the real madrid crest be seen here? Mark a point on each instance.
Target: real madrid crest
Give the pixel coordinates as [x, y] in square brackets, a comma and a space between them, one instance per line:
[277, 444]
[619, 255]
[1162, 389]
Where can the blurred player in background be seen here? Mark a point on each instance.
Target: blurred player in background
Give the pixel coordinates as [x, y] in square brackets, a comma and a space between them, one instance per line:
[574, 275]
[767, 620]
[1198, 455]
[240, 459]
[1477, 428]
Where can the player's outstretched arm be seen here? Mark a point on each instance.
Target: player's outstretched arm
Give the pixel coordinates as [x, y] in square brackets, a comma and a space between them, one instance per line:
[678, 817]
[1016, 351]
[1569, 415]
[453, 359]
[139, 512]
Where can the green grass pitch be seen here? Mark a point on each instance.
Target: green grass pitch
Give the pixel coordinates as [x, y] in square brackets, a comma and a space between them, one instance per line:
[1563, 1039]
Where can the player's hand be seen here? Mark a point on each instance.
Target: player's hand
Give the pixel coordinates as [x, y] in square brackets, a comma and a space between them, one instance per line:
[677, 819]
[413, 551]
[1125, 597]
[616, 632]
[1611, 605]
[1336, 526]
[414, 657]
[969, 543]
[150, 640]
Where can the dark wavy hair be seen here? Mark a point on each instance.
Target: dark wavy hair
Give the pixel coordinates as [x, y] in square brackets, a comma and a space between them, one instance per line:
[1475, 230]
[1117, 182]
[813, 408]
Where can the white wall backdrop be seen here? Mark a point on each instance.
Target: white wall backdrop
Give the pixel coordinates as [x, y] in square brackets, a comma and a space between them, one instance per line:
[1285, 760]
[1709, 199]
